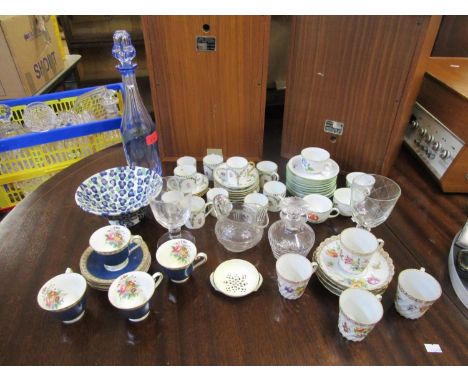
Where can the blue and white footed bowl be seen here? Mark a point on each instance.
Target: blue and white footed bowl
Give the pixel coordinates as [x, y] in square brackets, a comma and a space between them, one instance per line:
[119, 194]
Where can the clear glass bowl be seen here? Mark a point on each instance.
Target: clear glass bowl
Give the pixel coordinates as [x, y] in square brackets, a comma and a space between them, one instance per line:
[239, 226]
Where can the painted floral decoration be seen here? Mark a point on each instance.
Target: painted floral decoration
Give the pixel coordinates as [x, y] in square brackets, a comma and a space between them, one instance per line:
[312, 217]
[114, 238]
[128, 287]
[373, 280]
[53, 297]
[181, 252]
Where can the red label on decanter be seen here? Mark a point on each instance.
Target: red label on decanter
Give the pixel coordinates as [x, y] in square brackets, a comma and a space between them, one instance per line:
[152, 138]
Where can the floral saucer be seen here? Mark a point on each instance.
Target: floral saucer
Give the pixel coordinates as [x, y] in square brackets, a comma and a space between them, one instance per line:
[236, 278]
[222, 176]
[377, 276]
[98, 277]
[202, 188]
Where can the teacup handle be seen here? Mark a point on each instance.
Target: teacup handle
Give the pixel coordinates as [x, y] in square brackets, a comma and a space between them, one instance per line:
[379, 297]
[138, 240]
[337, 212]
[203, 258]
[421, 269]
[275, 176]
[208, 208]
[157, 277]
[199, 178]
[260, 282]
[212, 282]
[69, 270]
[314, 266]
[381, 243]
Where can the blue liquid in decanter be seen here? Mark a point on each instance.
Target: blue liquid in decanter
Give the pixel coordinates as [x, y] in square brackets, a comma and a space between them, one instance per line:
[139, 136]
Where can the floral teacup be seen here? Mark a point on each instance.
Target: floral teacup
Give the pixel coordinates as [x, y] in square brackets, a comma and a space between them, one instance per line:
[360, 311]
[199, 210]
[275, 192]
[417, 291]
[179, 258]
[131, 292]
[294, 272]
[112, 242]
[357, 247]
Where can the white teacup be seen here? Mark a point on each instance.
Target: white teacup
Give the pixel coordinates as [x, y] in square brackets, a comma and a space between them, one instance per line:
[187, 161]
[315, 160]
[212, 193]
[416, 292]
[131, 294]
[268, 171]
[199, 210]
[294, 272]
[320, 208]
[238, 168]
[275, 192]
[360, 311]
[189, 172]
[350, 177]
[257, 198]
[357, 246]
[342, 201]
[210, 162]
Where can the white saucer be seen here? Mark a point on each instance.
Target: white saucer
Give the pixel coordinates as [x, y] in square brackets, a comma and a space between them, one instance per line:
[295, 165]
[219, 175]
[377, 276]
[236, 278]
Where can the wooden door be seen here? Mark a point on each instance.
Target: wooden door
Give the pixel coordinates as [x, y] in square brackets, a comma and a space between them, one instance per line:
[208, 99]
[363, 71]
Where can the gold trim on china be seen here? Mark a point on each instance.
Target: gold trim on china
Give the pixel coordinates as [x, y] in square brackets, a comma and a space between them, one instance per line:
[104, 284]
[384, 254]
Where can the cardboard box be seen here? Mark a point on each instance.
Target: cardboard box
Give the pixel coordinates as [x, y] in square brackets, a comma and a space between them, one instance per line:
[29, 55]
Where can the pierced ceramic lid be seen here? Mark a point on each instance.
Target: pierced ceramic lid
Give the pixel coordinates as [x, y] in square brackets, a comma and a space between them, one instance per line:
[236, 278]
[377, 275]
[110, 239]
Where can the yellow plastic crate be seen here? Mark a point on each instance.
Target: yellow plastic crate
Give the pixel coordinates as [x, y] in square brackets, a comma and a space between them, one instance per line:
[29, 160]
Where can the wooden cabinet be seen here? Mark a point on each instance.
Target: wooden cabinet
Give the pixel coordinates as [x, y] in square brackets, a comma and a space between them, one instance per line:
[208, 99]
[362, 71]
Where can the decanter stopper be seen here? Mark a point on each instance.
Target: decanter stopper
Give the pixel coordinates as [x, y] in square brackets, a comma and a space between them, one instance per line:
[293, 212]
[123, 50]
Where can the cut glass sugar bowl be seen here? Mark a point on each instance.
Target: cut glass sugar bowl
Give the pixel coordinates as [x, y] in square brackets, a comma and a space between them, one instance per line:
[291, 234]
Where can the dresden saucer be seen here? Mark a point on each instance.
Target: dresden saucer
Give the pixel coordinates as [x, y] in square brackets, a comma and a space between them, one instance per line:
[377, 276]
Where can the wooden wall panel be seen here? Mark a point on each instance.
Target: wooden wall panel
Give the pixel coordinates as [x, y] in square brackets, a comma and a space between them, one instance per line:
[359, 70]
[452, 39]
[208, 99]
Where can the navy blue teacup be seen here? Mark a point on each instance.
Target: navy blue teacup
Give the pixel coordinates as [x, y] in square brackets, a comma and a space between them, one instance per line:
[179, 258]
[63, 296]
[112, 242]
[131, 293]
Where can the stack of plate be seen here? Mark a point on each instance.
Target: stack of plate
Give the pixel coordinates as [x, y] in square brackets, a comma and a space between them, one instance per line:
[98, 277]
[237, 189]
[375, 278]
[301, 183]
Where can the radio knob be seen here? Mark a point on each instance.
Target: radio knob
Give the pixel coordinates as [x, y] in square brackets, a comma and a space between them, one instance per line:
[436, 146]
[445, 154]
[414, 123]
[429, 138]
[422, 132]
[431, 156]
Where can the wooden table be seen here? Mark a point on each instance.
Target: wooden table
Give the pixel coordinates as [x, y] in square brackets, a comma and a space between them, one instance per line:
[191, 324]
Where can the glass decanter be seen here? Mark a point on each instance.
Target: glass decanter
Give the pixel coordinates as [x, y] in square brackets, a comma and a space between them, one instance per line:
[139, 136]
[291, 234]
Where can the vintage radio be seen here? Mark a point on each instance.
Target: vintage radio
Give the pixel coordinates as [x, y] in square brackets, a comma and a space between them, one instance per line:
[438, 130]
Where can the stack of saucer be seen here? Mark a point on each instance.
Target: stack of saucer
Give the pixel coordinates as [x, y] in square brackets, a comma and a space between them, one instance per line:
[375, 278]
[98, 277]
[301, 183]
[239, 188]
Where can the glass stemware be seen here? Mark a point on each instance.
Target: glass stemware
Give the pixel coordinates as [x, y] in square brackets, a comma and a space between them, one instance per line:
[372, 199]
[171, 207]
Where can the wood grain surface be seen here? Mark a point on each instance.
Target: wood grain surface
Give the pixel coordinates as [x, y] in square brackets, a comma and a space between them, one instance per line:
[191, 324]
[208, 99]
[363, 71]
[452, 39]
